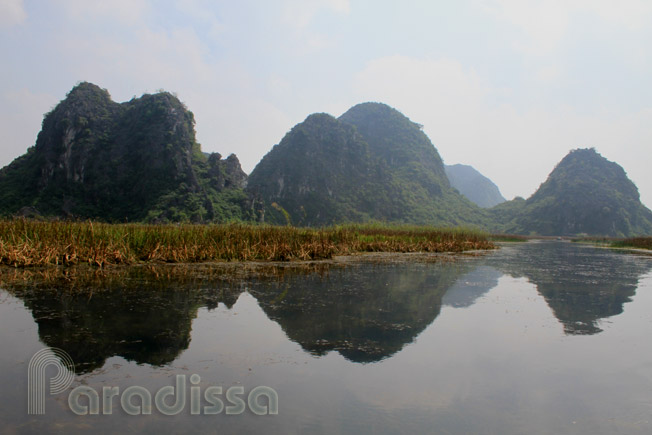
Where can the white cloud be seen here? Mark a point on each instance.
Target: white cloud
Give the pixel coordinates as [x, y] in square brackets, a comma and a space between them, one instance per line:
[517, 149]
[300, 13]
[248, 127]
[544, 23]
[279, 87]
[341, 6]
[409, 78]
[548, 74]
[231, 115]
[205, 53]
[631, 14]
[202, 12]
[21, 113]
[123, 11]
[12, 12]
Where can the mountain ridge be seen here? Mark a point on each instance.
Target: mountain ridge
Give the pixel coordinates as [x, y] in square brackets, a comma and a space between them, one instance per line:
[585, 194]
[139, 161]
[392, 173]
[135, 161]
[475, 186]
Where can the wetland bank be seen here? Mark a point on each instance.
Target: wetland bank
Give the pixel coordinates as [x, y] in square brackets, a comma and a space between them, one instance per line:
[535, 337]
[25, 243]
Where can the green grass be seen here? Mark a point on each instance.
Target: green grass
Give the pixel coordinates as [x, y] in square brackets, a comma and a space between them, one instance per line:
[615, 242]
[634, 242]
[26, 243]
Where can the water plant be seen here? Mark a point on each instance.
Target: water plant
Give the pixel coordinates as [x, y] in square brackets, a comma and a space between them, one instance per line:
[26, 243]
[635, 242]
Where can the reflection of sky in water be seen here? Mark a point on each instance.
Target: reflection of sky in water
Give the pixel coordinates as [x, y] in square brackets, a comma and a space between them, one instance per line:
[478, 346]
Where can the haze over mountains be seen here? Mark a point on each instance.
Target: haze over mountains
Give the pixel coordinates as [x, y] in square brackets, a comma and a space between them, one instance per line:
[139, 161]
[584, 194]
[475, 186]
[372, 163]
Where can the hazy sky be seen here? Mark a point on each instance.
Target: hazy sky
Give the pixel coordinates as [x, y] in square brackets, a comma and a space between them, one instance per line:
[507, 86]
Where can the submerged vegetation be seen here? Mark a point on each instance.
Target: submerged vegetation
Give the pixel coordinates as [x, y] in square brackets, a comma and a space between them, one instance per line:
[26, 243]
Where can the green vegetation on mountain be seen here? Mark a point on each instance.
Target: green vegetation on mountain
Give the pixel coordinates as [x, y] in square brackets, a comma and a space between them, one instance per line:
[371, 164]
[139, 161]
[584, 194]
[317, 175]
[135, 161]
[505, 212]
[475, 186]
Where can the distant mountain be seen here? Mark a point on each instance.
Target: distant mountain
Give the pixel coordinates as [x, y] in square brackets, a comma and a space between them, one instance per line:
[475, 186]
[139, 161]
[135, 161]
[584, 194]
[371, 164]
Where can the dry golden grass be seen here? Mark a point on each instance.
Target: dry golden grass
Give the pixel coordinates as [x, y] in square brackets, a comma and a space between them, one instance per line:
[25, 243]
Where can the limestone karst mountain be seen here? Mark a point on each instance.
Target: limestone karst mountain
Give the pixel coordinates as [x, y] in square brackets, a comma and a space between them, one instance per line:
[584, 194]
[475, 186]
[371, 164]
[135, 161]
[139, 161]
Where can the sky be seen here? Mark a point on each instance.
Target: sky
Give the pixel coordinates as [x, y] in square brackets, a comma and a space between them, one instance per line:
[507, 86]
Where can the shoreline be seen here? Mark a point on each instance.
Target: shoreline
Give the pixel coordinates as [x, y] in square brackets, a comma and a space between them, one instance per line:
[27, 244]
[87, 279]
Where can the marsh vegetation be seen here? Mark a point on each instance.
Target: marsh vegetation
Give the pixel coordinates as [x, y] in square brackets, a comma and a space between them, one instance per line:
[26, 243]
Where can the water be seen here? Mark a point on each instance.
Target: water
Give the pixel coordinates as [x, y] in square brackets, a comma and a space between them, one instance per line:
[537, 338]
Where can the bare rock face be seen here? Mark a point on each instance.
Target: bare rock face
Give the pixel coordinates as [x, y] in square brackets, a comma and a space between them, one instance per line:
[226, 173]
[236, 177]
[138, 160]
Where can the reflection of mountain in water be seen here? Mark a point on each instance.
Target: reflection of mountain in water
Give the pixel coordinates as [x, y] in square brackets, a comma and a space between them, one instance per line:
[139, 314]
[581, 284]
[471, 286]
[366, 313]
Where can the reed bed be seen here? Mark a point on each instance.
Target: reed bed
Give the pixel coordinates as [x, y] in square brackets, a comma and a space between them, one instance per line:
[25, 243]
[635, 242]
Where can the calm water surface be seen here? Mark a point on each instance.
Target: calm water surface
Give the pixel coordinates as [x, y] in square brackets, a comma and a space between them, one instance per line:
[537, 338]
